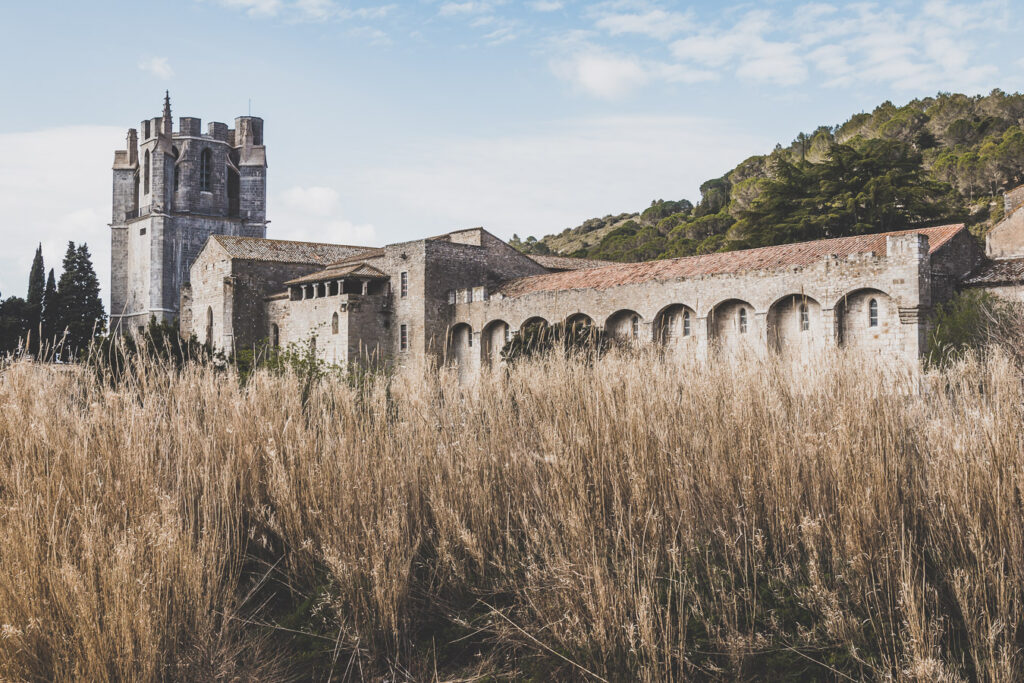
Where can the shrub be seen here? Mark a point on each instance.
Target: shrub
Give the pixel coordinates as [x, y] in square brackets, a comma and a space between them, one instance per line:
[972, 320]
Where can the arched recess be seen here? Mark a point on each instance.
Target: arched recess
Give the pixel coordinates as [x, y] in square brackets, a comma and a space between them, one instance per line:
[731, 323]
[460, 346]
[234, 191]
[863, 325]
[578, 320]
[492, 341]
[674, 324]
[795, 326]
[623, 325]
[536, 322]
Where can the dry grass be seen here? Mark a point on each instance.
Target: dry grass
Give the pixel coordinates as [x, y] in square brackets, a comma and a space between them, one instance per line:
[634, 520]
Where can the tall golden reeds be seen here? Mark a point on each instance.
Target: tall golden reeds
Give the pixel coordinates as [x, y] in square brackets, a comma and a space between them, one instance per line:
[636, 518]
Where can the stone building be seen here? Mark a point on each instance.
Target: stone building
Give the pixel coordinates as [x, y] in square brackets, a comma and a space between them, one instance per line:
[188, 238]
[171, 191]
[459, 297]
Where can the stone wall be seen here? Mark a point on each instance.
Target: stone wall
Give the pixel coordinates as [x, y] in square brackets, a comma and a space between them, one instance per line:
[342, 328]
[835, 292]
[1006, 240]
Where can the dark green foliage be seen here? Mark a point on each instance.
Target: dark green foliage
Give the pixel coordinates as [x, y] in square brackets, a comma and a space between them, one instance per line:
[538, 339]
[972, 320]
[943, 158]
[49, 317]
[14, 317]
[34, 300]
[116, 355]
[79, 316]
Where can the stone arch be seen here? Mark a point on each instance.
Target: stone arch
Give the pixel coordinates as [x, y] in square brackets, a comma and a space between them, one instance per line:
[624, 325]
[209, 325]
[795, 325]
[675, 324]
[534, 321]
[492, 340]
[578, 320]
[460, 347]
[858, 328]
[731, 323]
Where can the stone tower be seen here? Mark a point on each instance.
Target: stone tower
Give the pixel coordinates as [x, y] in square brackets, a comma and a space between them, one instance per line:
[172, 190]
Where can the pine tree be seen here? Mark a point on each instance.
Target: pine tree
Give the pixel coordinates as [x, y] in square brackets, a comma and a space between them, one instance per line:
[79, 310]
[34, 300]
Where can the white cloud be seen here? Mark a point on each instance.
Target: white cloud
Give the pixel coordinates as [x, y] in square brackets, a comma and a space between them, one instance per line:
[546, 5]
[157, 66]
[604, 75]
[254, 8]
[449, 9]
[55, 203]
[655, 23]
[314, 214]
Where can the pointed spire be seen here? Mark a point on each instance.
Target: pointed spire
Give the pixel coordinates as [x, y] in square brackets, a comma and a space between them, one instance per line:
[167, 112]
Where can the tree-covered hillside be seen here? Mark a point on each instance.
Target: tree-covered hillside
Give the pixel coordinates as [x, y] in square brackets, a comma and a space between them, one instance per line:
[933, 160]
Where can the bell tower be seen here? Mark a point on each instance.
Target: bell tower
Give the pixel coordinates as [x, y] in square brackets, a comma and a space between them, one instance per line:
[171, 191]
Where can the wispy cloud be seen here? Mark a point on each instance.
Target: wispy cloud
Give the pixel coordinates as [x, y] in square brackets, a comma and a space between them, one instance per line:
[546, 5]
[655, 23]
[315, 213]
[157, 66]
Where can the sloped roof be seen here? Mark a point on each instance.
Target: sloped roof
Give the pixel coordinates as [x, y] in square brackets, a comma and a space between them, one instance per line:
[998, 272]
[553, 262]
[337, 271]
[764, 258]
[285, 251]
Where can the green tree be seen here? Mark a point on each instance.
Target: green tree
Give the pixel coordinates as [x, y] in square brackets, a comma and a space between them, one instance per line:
[79, 311]
[34, 300]
[49, 317]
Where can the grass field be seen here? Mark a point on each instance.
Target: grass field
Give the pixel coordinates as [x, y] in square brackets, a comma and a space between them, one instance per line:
[634, 519]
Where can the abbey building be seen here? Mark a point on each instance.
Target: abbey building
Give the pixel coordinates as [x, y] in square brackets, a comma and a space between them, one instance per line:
[188, 236]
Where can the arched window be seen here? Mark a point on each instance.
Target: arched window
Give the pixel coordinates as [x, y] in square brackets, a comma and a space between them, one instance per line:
[686, 323]
[743, 321]
[209, 324]
[873, 313]
[205, 169]
[145, 174]
[275, 336]
[805, 318]
[334, 324]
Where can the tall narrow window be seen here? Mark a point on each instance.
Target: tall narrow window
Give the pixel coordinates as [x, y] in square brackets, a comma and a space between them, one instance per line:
[686, 323]
[805, 318]
[404, 286]
[634, 327]
[145, 174]
[469, 337]
[209, 325]
[275, 336]
[205, 170]
[873, 313]
[469, 295]
[403, 338]
[743, 321]
[334, 324]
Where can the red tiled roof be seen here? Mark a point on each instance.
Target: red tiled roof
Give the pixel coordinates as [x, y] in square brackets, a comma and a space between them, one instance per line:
[999, 272]
[336, 271]
[764, 258]
[286, 251]
[553, 262]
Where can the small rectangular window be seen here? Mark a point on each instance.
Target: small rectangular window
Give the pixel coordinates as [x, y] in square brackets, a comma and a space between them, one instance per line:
[142, 231]
[686, 324]
[404, 287]
[469, 296]
[403, 338]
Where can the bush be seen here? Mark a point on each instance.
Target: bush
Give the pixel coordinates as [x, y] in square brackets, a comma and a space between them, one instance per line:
[973, 320]
[160, 343]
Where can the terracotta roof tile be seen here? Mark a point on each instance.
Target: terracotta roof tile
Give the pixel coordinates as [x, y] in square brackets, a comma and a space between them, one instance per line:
[285, 251]
[999, 272]
[764, 258]
[554, 262]
[339, 271]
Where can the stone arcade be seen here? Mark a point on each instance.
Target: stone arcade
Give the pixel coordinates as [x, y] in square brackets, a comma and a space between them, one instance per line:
[188, 240]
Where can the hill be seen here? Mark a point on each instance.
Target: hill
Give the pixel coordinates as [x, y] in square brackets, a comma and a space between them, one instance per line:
[936, 159]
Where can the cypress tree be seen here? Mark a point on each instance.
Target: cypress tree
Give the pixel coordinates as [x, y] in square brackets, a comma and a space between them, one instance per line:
[34, 300]
[49, 317]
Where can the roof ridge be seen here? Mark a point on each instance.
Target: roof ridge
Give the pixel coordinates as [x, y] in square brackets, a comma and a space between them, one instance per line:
[218, 237]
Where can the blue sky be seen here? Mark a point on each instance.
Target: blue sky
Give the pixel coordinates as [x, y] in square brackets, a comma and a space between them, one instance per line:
[391, 121]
